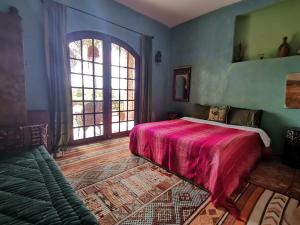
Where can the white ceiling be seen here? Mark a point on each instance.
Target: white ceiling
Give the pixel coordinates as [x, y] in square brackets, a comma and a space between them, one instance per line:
[175, 12]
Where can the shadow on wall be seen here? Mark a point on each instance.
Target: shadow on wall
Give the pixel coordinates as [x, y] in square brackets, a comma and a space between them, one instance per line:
[273, 124]
[295, 41]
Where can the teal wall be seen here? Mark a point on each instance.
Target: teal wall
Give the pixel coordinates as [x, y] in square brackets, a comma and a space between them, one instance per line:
[206, 43]
[33, 43]
[262, 31]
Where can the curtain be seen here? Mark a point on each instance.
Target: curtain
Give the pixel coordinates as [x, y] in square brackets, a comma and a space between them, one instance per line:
[145, 97]
[58, 79]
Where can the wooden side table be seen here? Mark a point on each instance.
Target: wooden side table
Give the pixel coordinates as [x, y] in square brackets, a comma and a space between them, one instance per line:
[174, 115]
[291, 155]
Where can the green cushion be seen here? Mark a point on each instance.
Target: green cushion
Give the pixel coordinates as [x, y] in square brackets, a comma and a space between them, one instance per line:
[244, 117]
[201, 111]
[34, 191]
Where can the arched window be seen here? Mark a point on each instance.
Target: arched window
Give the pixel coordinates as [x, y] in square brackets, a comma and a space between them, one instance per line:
[103, 76]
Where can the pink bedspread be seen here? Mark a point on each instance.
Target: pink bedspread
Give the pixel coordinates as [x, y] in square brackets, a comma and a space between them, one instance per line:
[218, 158]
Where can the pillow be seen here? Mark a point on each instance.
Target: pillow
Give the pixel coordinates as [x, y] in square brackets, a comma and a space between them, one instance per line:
[201, 111]
[23, 137]
[244, 117]
[218, 113]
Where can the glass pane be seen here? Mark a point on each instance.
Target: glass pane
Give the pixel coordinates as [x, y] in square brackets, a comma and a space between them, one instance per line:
[114, 83]
[123, 73]
[99, 130]
[99, 118]
[131, 115]
[89, 132]
[89, 119]
[76, 80]
[99, 106]
[98, 82]
[123, 57]
[115, 128]
[131, 74]
[130, 105]
[131, 61]
[77, 120]
[130, 84]
[123, 106]
[76, 94]
[130, 95]
[115, 55]
[123, 126]
[98, 69]
[115, 117]
[130, 125]
[123, 116]
[115, 105]
[115, 94]
[78, 133]
[88, 81]
[89, 107]
[75, 49]
[98, 52]
[77, 107]
[123, 84]
[88, 68]
[87, 49]
[115, 71]
[123, 95]
[75, 66]
[88, 94]
[98, 95]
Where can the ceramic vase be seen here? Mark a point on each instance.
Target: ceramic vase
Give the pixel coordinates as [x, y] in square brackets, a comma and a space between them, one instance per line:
[284, 48]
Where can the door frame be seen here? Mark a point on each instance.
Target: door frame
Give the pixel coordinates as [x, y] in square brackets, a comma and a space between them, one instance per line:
[106, 40]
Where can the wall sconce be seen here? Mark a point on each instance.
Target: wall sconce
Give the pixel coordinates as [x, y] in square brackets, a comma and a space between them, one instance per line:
[158, 57]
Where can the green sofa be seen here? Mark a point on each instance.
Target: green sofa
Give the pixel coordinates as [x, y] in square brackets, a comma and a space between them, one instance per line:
[33, 190]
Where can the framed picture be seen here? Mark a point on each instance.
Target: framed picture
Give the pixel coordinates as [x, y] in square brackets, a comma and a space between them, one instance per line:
[292, 93]
[181, 84]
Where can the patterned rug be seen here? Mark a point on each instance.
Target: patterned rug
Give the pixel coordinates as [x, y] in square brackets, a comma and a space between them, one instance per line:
[120, 188]
[277, 177]
[257, 206]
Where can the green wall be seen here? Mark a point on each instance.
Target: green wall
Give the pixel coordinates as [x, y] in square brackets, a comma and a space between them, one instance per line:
[206, 43]
[262, 31]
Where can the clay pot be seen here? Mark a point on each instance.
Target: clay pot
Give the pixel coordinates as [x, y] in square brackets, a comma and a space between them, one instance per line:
[284, 48]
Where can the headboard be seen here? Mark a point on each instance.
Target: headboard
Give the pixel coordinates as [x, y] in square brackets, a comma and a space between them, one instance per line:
[12, 85]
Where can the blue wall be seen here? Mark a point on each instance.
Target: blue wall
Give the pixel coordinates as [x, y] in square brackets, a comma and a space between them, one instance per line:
[31, 12]
[206, 43]
[33, 51]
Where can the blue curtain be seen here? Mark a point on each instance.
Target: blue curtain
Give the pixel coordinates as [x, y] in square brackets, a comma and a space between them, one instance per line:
[145, 87]
[58, 79]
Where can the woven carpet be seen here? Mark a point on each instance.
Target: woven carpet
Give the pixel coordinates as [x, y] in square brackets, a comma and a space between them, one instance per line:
[277, 177]
[120, 188]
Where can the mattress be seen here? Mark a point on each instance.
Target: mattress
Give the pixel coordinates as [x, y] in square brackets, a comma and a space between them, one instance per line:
[34, 191]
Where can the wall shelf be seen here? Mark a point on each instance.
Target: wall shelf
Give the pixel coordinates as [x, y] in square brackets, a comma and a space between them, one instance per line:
[261, 32]
[270, 59]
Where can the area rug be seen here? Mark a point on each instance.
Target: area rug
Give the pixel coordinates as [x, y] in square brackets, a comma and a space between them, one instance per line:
[120, 188]
[258, 206]
[89, 164]
[146, 194]
[278, 177]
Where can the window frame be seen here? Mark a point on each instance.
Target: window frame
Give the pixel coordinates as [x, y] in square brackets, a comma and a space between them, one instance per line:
[107, 40]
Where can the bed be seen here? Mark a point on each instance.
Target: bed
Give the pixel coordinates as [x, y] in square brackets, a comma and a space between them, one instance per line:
[34, 191]
[214, 155]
